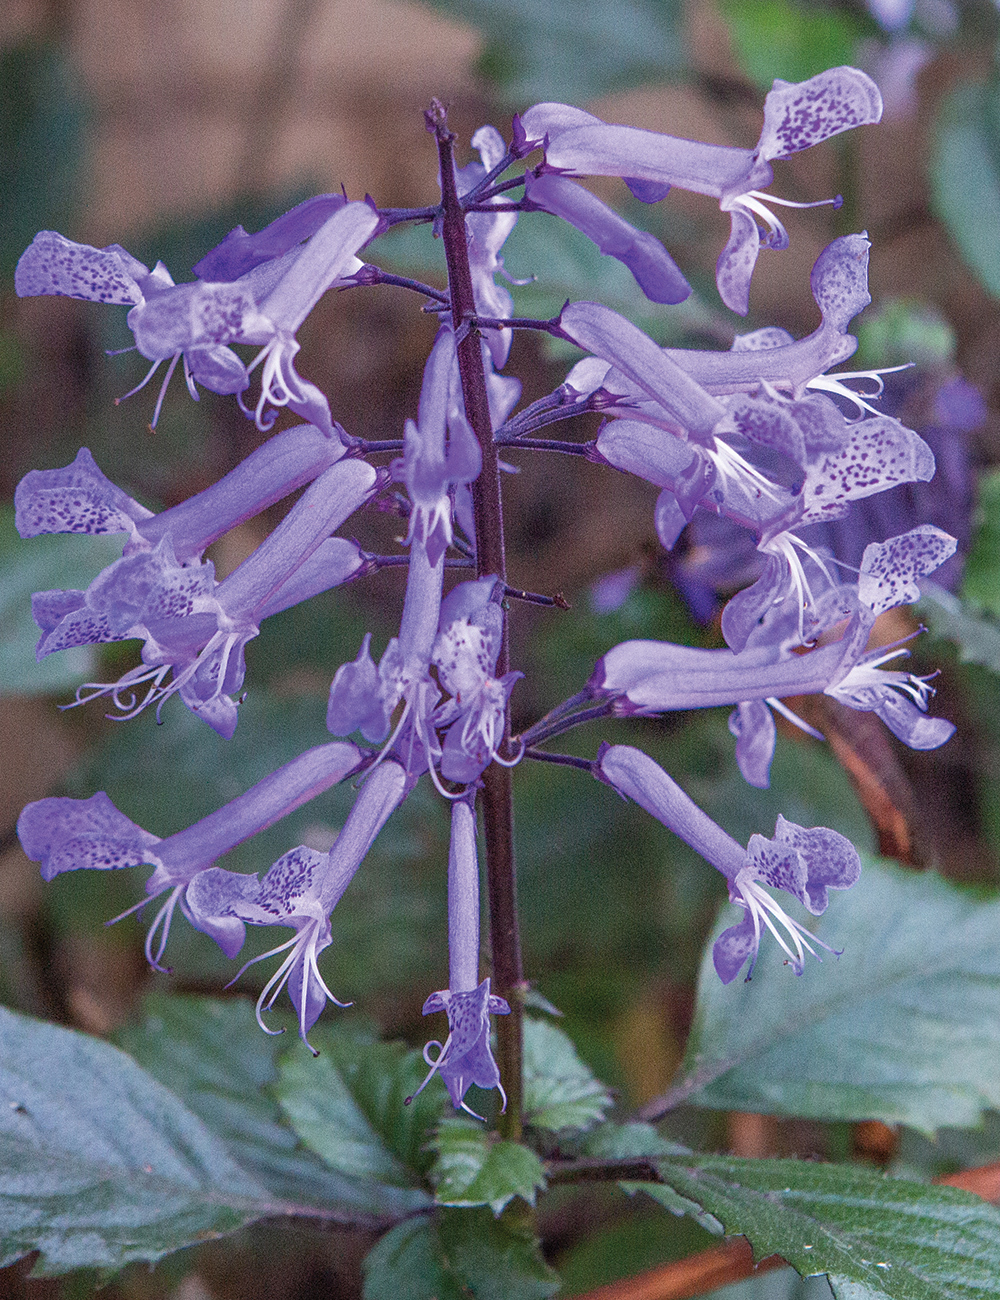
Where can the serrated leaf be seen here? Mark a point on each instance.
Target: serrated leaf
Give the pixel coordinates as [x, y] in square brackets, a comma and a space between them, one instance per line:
[560, 1092]
[211, 1053]
[99, 1163]
[873, 1235]
[556, 49]
[350, 1106]
[977, 635]
[904, 1027]
[611, 1141]
[965, 176]
[473, 1168]
[458, 1253]
[321, 1109]
[42, 564]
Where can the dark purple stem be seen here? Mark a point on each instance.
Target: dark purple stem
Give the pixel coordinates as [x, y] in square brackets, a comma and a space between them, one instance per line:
[496, 797]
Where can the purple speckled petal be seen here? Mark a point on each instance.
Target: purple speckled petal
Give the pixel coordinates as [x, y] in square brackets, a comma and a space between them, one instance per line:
[737, 260]
[831, 861]
[839, 280]
[889, 570]
[467, 1058]
[733, 947]
[291, 882]
[68, 834]
[53, 264]
[753, 726]
[880, 453]
[77, 499]
[799, 115]
[197, 316]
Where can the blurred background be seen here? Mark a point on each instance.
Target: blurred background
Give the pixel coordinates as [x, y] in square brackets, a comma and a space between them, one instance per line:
[159, 126]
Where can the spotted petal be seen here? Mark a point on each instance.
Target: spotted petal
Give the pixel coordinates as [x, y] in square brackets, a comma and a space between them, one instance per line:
[69, 834]
[798, 115]
[889, 570]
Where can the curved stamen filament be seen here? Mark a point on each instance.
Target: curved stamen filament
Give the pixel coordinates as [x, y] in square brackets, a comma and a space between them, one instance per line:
[762, 907]
[163, 918]
[835, 384]
[736, 468]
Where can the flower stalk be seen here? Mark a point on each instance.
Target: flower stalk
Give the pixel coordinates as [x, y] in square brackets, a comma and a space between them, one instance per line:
[496, 798]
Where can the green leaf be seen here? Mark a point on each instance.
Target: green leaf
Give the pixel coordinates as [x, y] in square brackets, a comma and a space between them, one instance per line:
[458, 1253]
[965, 176]
[557, 49]
[99, 1163]
[904, 1027]
[560, 1092]
[350, 1106]
[981, 579]
[611, 1141]
[874, 1236]
[473, 1168]
[977, 635]
[776, 38]
[212, 1054]
[42, 564]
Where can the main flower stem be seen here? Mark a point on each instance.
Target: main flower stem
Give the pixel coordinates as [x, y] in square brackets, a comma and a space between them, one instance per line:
[497, 802]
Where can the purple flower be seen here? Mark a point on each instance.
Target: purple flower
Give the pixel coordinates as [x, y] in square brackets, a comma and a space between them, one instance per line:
[795, 118]
[197, 321]
[300, 890]
[73, 834]
[80, 499]
[465, 655]
[650, 677]
[465, 1057]
[486, 235]
[440, 450]
[655, 271]
[804, 862]
[195, 629]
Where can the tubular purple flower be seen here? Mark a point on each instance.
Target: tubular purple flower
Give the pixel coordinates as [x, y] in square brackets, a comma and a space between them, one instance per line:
[486, 235]
[300, 890]
[651, 677]
[655, 271]
[796, 116]
[804, 862]
[198, 320]
[80, 499]
[606, 334]
[465, 655]
[72, 834]
[465, 1057]
[194, 628]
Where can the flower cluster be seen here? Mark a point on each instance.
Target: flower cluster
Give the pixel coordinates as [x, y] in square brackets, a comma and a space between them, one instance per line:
[762, 435]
